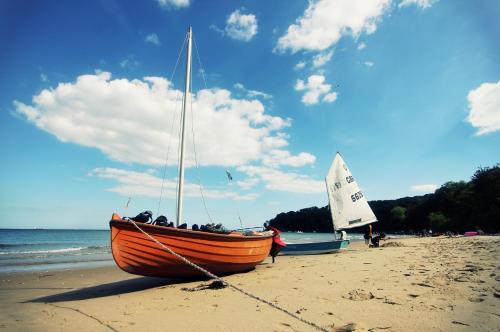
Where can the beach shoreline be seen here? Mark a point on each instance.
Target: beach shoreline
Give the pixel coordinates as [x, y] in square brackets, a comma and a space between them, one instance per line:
[410, 284]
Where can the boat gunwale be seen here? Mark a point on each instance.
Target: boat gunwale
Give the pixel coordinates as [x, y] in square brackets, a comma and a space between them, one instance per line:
[187, 232]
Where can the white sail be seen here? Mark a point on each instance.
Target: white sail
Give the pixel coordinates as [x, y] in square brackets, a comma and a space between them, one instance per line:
[348, 204]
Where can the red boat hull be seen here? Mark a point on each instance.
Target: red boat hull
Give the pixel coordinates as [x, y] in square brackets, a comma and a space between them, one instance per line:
[220, 254]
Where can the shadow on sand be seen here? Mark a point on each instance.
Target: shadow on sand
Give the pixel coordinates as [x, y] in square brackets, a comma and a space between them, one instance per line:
[109, 289]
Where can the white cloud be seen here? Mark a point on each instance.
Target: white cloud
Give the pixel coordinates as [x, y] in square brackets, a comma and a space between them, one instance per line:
[361, 46]
[484, 108]
[369, 63]
[424, 188]
[241, 26]
[276, 158]
[153, 39]
[174, 3]
[321, 58]
[314, 88]
[130, 62]
[248, 183]
[324, 22]
[44, 77]
[300, 65]
[422, 4]
[144, 184]
[130, 121]
[330, 97]
[278, 180]
[252, 93]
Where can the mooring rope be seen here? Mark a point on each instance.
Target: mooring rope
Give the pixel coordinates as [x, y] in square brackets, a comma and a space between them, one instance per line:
[224, 282]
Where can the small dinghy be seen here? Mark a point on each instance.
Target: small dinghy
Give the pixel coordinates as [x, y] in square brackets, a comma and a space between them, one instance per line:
[348, 206]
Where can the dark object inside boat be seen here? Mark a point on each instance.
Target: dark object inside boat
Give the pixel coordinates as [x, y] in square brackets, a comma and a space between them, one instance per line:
[146, 217]
[161, 221]
[143, 217]
[214, 228]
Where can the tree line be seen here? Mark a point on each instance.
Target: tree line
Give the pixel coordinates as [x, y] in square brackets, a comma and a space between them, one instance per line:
[456, 206]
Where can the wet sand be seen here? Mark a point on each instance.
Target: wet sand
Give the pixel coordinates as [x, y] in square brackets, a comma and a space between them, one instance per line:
[429, 284]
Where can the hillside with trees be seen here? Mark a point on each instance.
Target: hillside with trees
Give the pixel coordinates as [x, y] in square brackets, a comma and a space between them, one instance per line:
[456, 206]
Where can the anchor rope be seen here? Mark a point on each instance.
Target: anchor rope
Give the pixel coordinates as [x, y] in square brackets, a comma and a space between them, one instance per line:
[226, 283]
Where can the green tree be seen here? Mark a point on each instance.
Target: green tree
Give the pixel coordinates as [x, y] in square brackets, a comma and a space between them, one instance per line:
[437, 220]
[398, 213]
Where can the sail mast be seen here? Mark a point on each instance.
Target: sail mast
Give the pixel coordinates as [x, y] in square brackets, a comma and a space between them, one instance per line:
[185, 101]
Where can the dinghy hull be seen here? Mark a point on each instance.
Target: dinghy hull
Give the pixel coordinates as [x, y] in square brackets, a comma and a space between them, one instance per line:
[220, 254]
[314, 248]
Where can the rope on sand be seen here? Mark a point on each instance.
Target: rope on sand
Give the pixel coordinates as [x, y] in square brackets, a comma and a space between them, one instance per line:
[226, 283]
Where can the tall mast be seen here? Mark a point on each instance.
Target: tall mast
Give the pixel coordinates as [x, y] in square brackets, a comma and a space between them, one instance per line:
[185, 102]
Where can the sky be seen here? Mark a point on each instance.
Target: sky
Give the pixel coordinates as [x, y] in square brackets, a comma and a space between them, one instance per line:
[408, 91]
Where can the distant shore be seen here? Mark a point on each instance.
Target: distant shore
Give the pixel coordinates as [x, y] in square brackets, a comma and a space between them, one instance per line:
[411, 284]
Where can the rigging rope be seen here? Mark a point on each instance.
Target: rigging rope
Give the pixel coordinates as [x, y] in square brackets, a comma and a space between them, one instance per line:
[171, 131]
[197, 166]
[226, 283]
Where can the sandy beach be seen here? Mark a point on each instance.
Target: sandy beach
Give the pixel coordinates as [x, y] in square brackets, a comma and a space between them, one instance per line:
[415, 284]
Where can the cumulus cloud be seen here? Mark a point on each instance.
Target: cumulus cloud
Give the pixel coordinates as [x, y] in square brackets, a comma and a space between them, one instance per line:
[315, 88]
[248, 183]
[330, 97]
[279, 180]
[153, 39]
[321, 58]
[130, 62]
[282, 157]
[145, 184]
[300, 65]
[241, 26]
[173, 3]
[130, 120]
[369, 63]
[422, 4]
[361, 46]
[424, 188]
[484, 108]
[324, 22]
[252, 93]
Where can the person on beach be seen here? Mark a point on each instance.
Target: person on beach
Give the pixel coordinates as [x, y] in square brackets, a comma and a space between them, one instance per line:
[368, 235]
[376, 240]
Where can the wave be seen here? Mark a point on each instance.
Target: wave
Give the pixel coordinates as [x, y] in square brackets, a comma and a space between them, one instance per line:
[53, 251]
[15, 245]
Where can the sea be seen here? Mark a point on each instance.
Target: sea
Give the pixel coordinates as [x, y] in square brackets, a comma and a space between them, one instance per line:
[52, 249]
[49, 249]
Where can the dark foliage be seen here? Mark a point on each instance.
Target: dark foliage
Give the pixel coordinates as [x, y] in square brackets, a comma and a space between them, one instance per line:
[455, 206]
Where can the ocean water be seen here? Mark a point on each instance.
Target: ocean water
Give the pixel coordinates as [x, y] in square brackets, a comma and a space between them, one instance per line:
[40, 249]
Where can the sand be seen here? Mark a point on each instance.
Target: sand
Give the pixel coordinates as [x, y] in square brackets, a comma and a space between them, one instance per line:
[428, 284]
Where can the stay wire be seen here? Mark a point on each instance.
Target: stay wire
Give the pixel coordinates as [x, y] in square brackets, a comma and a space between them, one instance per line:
[196, 160]
[171, 130]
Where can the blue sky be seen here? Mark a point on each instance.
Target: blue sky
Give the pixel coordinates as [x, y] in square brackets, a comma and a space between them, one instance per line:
[407, 90]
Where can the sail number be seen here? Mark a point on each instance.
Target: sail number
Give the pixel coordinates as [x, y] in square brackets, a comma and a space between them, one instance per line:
[357, 196]
[349, 179]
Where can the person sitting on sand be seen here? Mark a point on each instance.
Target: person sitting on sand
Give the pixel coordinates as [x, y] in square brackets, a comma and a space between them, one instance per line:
[376, 240]
[368, 234]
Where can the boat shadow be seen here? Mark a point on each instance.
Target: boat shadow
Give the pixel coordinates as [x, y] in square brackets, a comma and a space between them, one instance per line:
[111, 289]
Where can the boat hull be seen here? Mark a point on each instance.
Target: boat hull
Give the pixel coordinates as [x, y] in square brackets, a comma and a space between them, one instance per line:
[220, 254]
[314, 248]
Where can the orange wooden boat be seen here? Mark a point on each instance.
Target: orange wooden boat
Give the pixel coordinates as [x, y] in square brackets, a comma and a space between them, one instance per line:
[220, 254]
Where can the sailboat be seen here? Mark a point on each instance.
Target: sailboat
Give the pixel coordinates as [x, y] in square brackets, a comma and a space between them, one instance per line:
[348, 207]
[220, 254]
